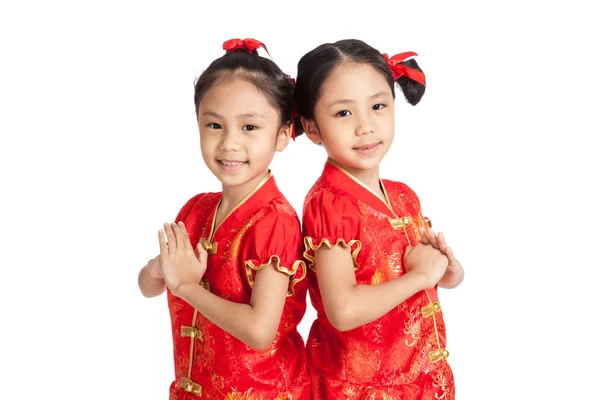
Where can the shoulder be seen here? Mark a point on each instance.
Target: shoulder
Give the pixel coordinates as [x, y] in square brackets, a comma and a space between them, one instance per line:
[400, 192]
[325, 198]
[399, 189]
[278, 213]
[199, 200]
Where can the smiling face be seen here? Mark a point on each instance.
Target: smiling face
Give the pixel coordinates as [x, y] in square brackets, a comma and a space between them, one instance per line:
[239, 133]
[354, 117]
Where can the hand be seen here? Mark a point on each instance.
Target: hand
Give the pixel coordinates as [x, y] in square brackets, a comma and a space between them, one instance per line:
[154, 268]
[438, 241]
[178, 262]
[426, 260]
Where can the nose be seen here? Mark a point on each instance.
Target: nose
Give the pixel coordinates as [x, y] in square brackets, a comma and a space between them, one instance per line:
[364, 125]
[230, 141]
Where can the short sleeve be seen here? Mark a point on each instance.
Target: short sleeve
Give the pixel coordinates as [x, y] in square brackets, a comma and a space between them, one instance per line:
[277, 239]
[330, 219]
[187, 208]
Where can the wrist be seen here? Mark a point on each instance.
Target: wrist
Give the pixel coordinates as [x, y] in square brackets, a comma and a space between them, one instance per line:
[419, 280]
[187, 291]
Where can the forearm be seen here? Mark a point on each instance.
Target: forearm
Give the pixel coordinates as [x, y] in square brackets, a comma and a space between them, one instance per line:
[149, 285]
[240, 320]
[366, 303]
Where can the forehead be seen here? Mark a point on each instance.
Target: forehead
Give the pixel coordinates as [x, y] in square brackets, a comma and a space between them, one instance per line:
[234, 96]
[352, 80]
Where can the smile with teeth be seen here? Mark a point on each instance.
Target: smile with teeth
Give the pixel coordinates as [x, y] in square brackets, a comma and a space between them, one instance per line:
[229, 163]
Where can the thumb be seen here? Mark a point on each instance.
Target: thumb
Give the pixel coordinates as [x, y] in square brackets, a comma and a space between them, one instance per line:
[155, 270]
[202, 254]
[407, 250]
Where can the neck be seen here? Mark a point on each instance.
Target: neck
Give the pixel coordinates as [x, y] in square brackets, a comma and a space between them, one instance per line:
[369, 177]
[232, 195]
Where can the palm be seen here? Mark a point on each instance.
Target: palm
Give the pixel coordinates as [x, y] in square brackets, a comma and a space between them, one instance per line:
[178, 262]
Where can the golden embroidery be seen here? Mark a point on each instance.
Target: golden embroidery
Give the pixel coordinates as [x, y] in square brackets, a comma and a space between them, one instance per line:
[235, 395]
[362, 363]
[442, 381]
[308, 245]
[192, 343]
[412, 327]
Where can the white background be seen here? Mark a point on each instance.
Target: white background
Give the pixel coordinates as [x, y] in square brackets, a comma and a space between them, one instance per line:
[100, 147]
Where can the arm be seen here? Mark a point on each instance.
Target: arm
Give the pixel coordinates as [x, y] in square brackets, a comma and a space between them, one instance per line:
[256, 323]
[349, 305]
[150, 280]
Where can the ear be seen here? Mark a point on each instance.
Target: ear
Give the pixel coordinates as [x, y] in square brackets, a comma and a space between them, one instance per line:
[283, 137]
[311, 130]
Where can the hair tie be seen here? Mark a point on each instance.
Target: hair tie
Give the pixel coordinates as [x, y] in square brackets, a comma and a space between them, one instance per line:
[248, 44]
[399, 70]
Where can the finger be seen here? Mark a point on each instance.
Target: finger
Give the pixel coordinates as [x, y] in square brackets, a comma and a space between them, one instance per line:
[164, 249]
[442, 242]
[202, 255]
[449, 253]
[432, 238]
[407, 250]
[182, 236]
[172, 242]
[155, 271]
[424, 238]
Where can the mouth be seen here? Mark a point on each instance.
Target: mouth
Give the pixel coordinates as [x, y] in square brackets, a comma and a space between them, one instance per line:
[231, 165]
[367, 148]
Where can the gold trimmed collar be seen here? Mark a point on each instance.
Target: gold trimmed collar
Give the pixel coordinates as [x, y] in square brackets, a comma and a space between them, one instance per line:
[213, 229]
[384, 200]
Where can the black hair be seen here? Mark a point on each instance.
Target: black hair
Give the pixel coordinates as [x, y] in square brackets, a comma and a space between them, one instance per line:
[316, 65]
[260, 71]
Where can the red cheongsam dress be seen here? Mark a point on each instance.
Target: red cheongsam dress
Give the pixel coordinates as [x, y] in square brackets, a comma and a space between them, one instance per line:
[209, 362]
[401, 355]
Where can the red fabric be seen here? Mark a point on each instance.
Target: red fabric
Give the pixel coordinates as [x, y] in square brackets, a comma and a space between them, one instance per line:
[248, 44]
[263, 226]
[399, 69]
[387, 358]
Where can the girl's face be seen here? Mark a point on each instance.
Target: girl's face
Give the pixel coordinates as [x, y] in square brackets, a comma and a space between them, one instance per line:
[354, 117]
[239, 133]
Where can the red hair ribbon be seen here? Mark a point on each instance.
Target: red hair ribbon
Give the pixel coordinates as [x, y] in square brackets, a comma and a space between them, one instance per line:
[399, 70]
[294, 112]
[247, 44]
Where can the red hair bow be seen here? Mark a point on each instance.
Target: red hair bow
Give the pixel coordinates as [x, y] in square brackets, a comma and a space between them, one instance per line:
[399, 70]
[247, 44]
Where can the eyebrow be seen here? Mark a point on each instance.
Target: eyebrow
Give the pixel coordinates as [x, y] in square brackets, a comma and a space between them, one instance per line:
[246, 115]
[346, 101]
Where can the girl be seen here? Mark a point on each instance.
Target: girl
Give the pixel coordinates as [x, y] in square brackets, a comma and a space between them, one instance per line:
[376, 263]
[236, 303]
